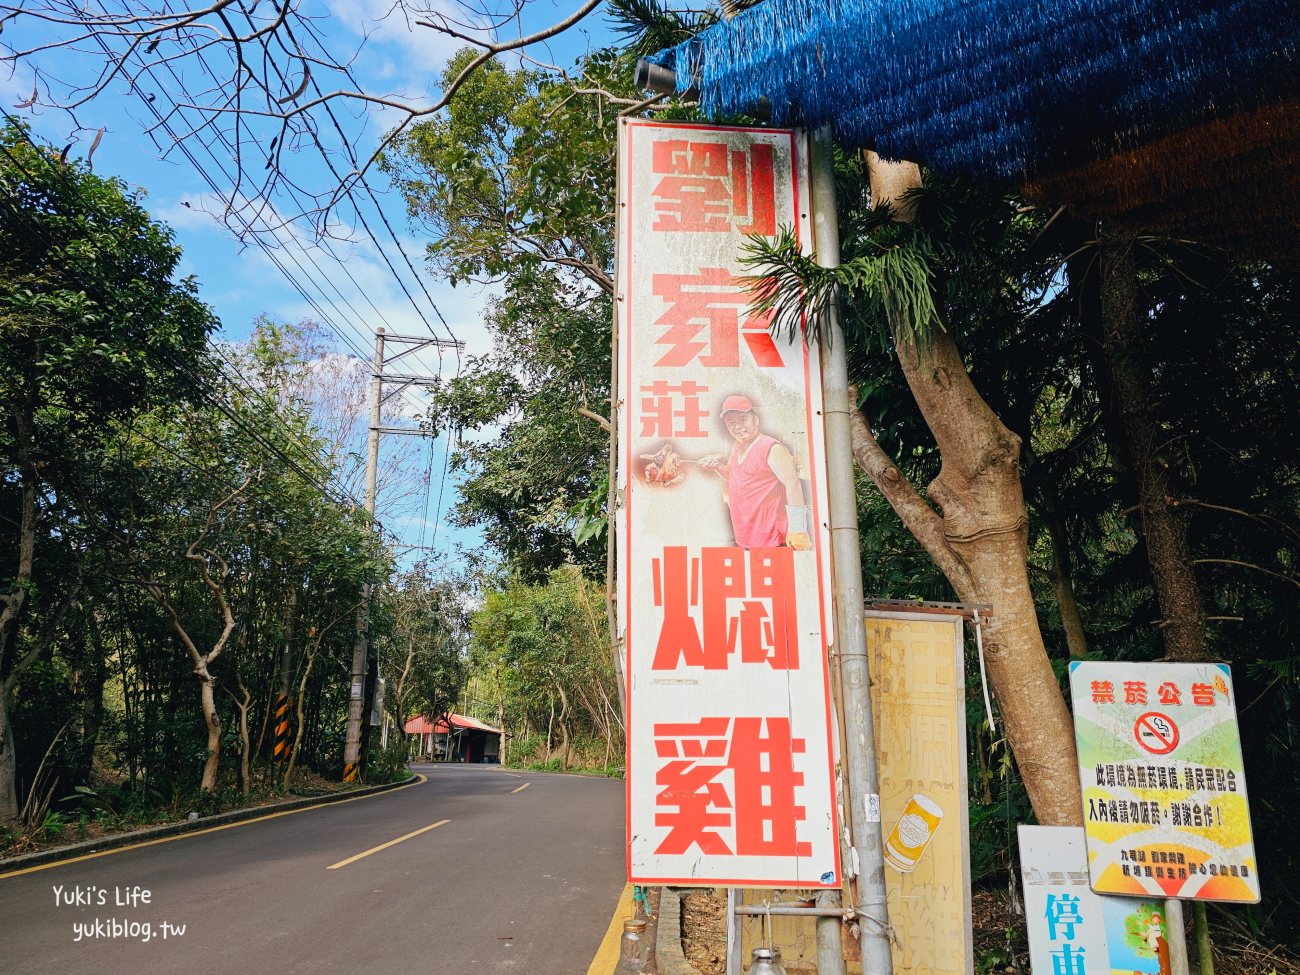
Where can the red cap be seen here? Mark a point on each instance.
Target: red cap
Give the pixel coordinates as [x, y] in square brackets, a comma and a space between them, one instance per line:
[736, 404]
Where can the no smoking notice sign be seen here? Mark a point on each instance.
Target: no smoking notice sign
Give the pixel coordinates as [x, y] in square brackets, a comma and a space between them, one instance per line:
[1164, 790]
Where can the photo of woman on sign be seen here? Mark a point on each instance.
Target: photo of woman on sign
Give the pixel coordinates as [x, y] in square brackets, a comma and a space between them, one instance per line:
[764, 494]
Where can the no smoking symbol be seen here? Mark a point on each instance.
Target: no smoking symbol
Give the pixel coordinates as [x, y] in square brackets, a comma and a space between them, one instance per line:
[1156, 732]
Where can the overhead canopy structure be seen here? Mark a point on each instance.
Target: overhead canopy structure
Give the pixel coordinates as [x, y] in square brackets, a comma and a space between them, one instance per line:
[1151, 102]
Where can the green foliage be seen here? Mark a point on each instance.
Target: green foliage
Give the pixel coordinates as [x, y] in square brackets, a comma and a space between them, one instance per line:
[53, 824]
[387, 764]
[91, 323]
[889, 282]
[420, 629]
[649, 26]
[158, 485]
[994, 960]
[544, 650]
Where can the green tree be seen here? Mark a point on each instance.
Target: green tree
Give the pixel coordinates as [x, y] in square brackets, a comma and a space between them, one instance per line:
[423, 651]
[544, 647]
[93, 330]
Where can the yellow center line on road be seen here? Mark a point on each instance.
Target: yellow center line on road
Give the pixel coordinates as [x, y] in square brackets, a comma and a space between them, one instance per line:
[420, 780]
[521, 788]
[384, 846]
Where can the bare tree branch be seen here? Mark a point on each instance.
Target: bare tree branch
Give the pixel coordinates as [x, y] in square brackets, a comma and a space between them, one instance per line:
[146, 49]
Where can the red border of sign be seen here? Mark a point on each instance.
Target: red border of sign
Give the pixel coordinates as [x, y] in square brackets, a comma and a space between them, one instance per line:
[813, 420]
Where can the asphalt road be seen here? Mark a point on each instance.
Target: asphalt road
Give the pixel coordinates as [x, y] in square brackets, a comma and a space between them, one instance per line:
[523, 877]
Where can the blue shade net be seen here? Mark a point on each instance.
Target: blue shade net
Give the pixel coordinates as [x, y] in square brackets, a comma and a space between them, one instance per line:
[1009, 89]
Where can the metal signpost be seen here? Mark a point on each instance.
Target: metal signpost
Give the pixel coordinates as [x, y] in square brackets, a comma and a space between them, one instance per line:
[1164, 788]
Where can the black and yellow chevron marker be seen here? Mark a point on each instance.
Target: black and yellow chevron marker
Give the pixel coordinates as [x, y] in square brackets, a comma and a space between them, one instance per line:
[351, 771]
[282, 728]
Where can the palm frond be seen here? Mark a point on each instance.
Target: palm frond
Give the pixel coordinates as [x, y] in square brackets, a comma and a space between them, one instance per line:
[650, 26]
[890, 286]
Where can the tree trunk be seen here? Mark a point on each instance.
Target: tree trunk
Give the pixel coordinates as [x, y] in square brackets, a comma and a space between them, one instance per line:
[208, 703]
[550, 727]
[242, 702]
[91, 691]
[14, 601]
[1076, 640]
[1148, 449]
[8, 766]
[564, 726]
[979, 540]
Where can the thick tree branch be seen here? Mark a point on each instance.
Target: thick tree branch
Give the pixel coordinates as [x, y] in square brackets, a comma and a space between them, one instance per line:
[604, 424]
[921, 520]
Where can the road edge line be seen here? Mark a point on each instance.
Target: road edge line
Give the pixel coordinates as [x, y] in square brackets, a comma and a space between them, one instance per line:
[607, 954]
[48, 859]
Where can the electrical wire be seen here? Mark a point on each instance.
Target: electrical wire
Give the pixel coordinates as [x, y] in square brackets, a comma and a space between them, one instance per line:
[251, 231]
[333, 492]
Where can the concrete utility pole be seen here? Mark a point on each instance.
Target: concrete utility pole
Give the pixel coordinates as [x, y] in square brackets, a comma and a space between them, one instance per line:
[358, 706]
[284, 698]
[862, 802]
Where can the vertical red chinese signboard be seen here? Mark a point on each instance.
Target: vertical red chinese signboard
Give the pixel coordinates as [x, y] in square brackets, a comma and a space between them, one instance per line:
[723, 565]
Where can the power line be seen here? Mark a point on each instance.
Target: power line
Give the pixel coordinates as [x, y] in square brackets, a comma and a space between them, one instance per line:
[337, 494]
[259, 235]
[370, 192]
[340, 180]
[248, 227]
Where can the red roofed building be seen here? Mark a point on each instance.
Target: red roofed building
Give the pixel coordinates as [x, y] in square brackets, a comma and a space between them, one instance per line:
[455, 738]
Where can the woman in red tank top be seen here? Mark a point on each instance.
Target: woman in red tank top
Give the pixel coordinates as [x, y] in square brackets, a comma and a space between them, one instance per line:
[763, 487]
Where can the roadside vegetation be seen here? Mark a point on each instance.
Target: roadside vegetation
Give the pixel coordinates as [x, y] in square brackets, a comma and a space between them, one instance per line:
[180, 543]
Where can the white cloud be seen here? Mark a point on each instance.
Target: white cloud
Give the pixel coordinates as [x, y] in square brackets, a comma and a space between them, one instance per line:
[395, 49]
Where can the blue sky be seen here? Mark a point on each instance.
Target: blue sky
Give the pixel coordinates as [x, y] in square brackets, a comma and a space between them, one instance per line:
[352, 283]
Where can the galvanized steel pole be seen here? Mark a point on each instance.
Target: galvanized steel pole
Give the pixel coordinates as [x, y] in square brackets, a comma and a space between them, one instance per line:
[859, 755]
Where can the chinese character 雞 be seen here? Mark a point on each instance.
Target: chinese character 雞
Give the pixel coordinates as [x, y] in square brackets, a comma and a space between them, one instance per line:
[759, 812]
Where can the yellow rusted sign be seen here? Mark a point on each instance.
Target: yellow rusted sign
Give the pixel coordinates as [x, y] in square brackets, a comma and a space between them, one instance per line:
[918, 697]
